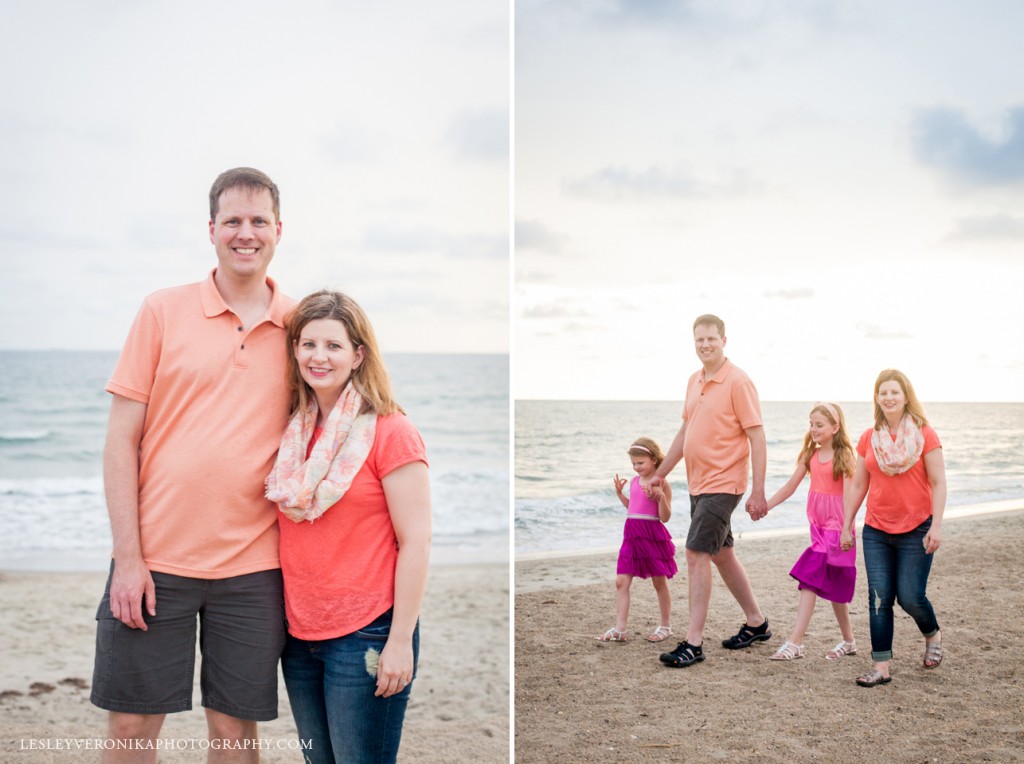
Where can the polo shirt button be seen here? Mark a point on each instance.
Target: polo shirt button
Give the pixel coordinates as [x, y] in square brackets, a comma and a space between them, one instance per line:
[243, 347]
[239, 328]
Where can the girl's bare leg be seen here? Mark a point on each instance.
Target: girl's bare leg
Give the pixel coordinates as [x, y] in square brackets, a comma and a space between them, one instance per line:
[842, 611]
[664, 599]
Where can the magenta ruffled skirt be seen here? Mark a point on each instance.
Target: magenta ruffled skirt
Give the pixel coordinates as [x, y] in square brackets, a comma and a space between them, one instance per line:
[825, 568]
[647, 549]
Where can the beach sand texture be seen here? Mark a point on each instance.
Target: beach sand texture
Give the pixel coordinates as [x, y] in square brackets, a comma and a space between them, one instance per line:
[459, 711]
[584, 701]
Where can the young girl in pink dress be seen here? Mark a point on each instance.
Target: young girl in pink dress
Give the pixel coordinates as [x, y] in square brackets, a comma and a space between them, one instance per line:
[824, 569]
[647, 550]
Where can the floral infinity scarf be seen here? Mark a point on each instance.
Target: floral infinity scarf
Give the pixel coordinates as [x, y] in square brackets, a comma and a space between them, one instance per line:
[306, 488]
[897, 456]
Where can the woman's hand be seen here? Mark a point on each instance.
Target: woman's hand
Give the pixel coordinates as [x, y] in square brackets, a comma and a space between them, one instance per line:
[933, 540]
[394, 667]
[846, 539]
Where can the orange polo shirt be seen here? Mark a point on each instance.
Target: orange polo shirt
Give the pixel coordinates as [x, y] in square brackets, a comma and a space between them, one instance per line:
[217, 403]
[715, 445]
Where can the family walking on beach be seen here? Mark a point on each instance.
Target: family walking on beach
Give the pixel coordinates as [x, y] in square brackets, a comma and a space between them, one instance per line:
[316, 558]
[897, 464]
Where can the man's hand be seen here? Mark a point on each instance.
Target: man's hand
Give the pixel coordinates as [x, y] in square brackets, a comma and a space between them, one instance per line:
[130, 586]
[757, 506]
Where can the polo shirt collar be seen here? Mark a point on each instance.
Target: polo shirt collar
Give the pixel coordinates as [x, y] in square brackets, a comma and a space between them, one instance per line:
[719, 375]
[214, 305]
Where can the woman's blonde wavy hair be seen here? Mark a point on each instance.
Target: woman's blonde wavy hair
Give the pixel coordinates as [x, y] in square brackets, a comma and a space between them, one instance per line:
[370, 378]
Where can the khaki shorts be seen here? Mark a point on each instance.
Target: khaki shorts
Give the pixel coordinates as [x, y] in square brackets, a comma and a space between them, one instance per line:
[711, 521]
[241, 640]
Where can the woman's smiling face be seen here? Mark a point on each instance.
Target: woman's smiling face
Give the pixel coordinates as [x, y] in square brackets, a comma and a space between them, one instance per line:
[326, 356]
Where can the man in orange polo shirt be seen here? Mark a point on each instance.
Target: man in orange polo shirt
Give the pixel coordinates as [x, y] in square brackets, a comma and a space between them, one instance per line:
[199, 404]
[722, 432]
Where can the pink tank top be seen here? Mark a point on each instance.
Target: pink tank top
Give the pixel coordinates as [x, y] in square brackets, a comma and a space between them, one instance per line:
[640, 504]
[822, 480]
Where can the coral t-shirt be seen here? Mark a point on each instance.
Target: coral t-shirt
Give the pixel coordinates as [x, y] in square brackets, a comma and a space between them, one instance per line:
[898, 503]
[339, 570]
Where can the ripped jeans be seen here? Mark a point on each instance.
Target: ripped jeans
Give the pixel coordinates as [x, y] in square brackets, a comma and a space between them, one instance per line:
[897, 569]
[330, 689]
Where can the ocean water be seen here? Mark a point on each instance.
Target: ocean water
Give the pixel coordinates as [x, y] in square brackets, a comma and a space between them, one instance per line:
[568, 452]
[53, 416]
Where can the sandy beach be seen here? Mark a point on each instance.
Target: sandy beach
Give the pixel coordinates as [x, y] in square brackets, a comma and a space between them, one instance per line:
[459, 709]
[584, 701]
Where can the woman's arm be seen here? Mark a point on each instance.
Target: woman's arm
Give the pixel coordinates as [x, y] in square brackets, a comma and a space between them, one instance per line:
[787, 490]
[407, 490]
[935, 467]
[852, 499]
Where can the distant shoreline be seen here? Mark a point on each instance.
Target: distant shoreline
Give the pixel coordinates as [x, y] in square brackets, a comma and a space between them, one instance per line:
[97, 561]
[951, 513]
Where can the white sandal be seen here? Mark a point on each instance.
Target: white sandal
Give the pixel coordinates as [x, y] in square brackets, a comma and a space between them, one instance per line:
[612, 635]
[843, 648]
[788, 652]
[659, 634]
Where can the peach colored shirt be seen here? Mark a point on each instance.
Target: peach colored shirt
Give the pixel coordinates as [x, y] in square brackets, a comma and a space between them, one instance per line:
[715, 445]
[217, 403]
[339, 570]
[898, 503]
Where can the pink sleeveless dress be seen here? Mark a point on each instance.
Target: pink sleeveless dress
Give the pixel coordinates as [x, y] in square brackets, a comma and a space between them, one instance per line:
[647, 549]
[824, 567]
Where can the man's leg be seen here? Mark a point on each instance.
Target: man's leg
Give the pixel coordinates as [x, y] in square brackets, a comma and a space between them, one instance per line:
[698, 569]
[135, 727]
[735, 577]
[235, 739]
[241, 639]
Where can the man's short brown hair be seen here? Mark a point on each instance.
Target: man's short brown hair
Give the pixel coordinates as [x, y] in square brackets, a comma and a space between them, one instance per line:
[709, 319]
[247, 178]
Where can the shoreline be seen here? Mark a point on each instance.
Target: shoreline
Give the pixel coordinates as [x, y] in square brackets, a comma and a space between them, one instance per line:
[951, 513]
[98, 561]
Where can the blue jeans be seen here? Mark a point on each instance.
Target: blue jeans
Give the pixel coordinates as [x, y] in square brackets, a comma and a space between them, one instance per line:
[897, 568]
[330, 688]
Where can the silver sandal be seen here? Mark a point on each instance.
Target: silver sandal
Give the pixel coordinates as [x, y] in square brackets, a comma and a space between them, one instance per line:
[843, 648]
[788, 652]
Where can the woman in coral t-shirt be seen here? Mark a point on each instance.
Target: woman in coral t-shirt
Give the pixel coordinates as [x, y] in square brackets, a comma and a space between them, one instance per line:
[352, 488]
[900, 468]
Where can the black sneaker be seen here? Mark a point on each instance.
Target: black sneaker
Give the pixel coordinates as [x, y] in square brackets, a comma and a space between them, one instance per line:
[747, 636]
[684, 655]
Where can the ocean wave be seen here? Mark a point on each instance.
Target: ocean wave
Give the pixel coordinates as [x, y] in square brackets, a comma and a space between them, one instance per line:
[24, 436]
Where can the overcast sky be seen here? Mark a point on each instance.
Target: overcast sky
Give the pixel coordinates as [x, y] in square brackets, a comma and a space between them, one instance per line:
[843, 183]
[385, 125]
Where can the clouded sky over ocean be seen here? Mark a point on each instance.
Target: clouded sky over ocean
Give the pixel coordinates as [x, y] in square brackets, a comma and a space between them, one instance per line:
[843, 183]
[385, 125]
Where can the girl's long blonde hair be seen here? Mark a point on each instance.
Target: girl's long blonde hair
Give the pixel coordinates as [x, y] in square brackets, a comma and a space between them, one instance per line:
[844, 458]
[370, 379]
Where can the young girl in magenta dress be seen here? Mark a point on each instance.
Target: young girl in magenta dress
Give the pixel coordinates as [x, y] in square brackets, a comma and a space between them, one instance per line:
[647, 550]
[824, 569]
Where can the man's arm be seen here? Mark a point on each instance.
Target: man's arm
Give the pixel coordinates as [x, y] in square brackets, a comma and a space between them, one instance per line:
[131, 580]
[673, 456]
[757, 507]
